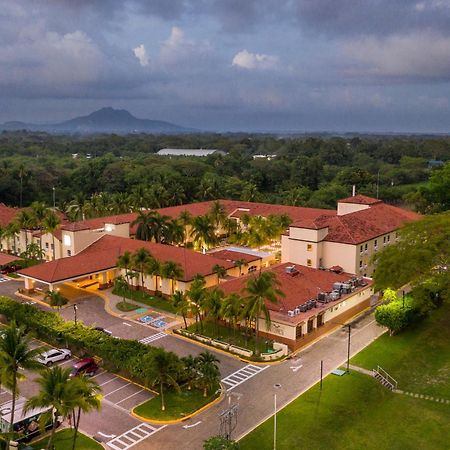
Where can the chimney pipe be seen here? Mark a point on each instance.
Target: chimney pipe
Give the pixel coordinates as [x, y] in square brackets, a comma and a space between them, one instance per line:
[354, 190]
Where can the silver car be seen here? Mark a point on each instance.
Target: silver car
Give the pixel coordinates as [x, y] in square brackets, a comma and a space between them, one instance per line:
[54, 355]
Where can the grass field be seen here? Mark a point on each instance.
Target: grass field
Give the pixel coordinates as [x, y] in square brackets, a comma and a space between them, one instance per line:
[354, 412]
[178, 405]
[63, 441]
[418, 358]
[149, 300]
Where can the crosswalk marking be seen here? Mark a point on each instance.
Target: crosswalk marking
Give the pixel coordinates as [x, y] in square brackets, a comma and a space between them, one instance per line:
[3, 279]
[133, 436]
[152, 338]
[242, 375]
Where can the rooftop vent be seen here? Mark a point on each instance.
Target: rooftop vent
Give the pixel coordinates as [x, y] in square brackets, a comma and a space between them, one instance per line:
[291, 270]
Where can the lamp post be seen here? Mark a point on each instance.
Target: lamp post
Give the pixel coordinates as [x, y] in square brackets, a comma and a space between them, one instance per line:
[75, 307]
[54, 197]
[348, 347]
[276, 386]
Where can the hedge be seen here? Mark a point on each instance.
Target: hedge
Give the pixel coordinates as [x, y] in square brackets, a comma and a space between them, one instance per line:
[118, 355]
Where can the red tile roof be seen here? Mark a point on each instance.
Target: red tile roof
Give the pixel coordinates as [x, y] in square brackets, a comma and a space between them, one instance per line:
[99, 222]
[361, 200]
[229, 255]
[361, 226]
[6, 259]
[7, 214]
[298, 289]
[103, 254]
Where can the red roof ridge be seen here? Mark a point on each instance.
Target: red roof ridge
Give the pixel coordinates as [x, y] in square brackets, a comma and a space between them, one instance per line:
[361, 200]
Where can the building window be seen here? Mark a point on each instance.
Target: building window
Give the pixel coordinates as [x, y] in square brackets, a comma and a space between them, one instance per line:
[361, 249]
[309, 247]
[360, 264]
[365, 247]
[46, 245]
[375, 244]
[384, 239]
[388, 237]
[298, 331]
[252, 269]
[69, 253]
[308, 262]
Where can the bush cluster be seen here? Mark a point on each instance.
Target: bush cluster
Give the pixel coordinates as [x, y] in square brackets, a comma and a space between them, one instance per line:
[118, 355]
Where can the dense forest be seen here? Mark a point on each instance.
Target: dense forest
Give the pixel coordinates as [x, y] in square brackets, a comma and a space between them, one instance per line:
[114, 173]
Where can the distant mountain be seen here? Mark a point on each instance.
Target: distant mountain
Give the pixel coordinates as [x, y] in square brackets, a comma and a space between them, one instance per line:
[105, 120]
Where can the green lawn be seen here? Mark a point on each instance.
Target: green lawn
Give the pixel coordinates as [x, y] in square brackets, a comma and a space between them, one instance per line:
[226, 334]
[63, 441]
[149, 300]
[126, 307]
[354, 412]
[418, 358]
[178, 405]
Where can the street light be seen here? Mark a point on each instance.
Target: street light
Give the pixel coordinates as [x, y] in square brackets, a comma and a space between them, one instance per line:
[75, 307]
[276, 386]
[54, 197]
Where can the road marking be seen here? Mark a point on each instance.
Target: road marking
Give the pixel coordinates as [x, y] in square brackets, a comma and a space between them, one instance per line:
[101, 371]
[152, 338]
[193, 425]
[134, 436]
[118, 389]
[127, 324]
[242, 375]
[132, 395]
[295, 368]
[110, 436]
[109, 381]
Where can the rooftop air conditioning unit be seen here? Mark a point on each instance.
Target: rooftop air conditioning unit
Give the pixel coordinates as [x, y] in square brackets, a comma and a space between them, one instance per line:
[291, 313]
[297, 311]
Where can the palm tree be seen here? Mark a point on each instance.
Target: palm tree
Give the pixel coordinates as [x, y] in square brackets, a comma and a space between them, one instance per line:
[171, 271]
[141, 259]
[39, 210]
[10, 232]
[185, 218]
[124, 262]
[56, 393]
[220, 271]
[218, 214]
[175, 232]
[181, 305]
[50, 224]
[190, 369]
[15, 355]
[88, 399]
[163, 369]
[209, 371]
[196, 294]
[232, 309]
[26, 222]
[203, 232]
[121, 286]
[33, 251]
[144, 222]
[240, 263]
[261, 290]
[56, 299]
[213, 306]
[154, 269]
[22, 173]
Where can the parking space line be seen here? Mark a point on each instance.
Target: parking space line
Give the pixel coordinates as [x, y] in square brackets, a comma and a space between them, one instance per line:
[118, 389]
[132, 395]
[109, 381]
[101, 371]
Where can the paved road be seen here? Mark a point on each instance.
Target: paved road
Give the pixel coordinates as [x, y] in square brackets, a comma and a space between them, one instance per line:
[251, 386]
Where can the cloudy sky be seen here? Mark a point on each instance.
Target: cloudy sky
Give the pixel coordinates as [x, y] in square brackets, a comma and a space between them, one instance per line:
[306, 65]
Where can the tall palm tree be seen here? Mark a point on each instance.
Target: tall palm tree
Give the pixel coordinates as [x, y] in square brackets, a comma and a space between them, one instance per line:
[26, 222]
[154, 269]
[11, 232]
[162, 369]
[241, 262]
[181, 305]
[56, 393]
[22, 174]
[185, 218]
[218, 214]
[50, 224]
[203, 232]
[124, 262]
[16, 355]
[171, 271]
[121, 286]
[190, 370]
[213, 306]
[175, 233]
[39, 210]
[260, 290]
[144, 222]
[220, 271]
[56, 299]
[88, 399]
[209, 371]
[232, 309]
[196, 294]
[141, 258]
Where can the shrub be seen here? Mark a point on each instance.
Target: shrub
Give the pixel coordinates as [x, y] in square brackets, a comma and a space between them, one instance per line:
[395, 316]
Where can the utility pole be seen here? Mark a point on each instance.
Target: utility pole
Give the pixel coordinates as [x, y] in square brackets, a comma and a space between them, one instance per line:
[348, 348]
[75, 307]
[321, 373]
[54, 197]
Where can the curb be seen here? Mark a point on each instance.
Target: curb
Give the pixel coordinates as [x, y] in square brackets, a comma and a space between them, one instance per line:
[32, 299]
[182, 419]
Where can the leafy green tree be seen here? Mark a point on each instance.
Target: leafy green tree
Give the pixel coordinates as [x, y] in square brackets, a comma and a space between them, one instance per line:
[394, 315]
[56, 393]
[220, 443]
[16, 355]
[50, 224]
[231, 309]
[260, 290]
[196, 294]
[239, 263]
[125, 262]
[190, 370]
[213, 306]
[56, 299]
[209, 371]
[162, 370]
[141, 259]
[121, 286]
[181, 305]
[220, 271]
[33, 251]
[203, 232]
[26, 222]
[422, 252]
[172, 271]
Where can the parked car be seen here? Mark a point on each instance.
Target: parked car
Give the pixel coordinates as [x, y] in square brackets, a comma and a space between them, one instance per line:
[103, 330]
[54, 355]
[86, 366]
[9, 269]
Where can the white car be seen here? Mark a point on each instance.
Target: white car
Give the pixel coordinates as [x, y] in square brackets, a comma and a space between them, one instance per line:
[51, 356]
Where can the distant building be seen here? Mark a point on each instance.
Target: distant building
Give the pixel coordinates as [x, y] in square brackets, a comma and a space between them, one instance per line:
[434, 163]
[268, 157]
[200, 152]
